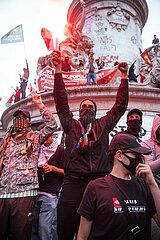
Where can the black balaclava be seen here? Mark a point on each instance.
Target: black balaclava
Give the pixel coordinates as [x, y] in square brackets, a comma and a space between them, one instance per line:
[87, 115]
[133, 163]
[134, 126]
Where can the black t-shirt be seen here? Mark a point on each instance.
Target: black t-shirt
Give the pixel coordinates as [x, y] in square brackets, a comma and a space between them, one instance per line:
[100, 205]
[51, 182]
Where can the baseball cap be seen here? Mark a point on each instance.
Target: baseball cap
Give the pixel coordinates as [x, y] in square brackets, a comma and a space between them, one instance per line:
[124, 141]
[135, 110]
[22, 111]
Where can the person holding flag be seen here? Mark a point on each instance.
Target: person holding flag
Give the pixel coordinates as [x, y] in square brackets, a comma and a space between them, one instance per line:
[17, 94]
[24, 80]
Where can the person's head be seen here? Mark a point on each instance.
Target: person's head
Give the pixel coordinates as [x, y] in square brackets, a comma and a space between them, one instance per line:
[134, 121]
[91, 59]
[87, 111]
[116, 63]
[25, 69]
[124, 149]
[21, 121]
[155, 36]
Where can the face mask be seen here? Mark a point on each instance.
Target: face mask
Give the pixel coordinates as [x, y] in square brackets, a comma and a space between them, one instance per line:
[134, 126]
[133, 163]
[20, 124]
[87, 116]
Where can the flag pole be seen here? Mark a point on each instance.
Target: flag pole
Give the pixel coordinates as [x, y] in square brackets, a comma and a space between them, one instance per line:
[24, 49]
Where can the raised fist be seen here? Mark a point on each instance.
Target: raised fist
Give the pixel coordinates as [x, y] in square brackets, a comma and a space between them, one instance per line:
[123, 67]
[56, 58]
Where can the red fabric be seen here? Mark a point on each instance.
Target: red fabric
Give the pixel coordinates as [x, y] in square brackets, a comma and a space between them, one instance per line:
[10, 99]
[146, 57]
[17, 94]
[9, 102]
[47, 37]
[142, 78]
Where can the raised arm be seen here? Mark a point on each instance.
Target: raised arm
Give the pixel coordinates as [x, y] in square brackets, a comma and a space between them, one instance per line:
[60, 94]
[27, 65]
[50, 124]
[115, 113]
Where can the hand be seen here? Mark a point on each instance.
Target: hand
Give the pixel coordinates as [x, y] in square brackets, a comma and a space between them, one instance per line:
[143, 170]
[37, 99]
[56, 58]
[47, 168]
[123, 67]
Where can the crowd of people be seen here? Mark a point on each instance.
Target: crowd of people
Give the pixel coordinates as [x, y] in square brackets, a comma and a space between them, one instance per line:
[73, 183]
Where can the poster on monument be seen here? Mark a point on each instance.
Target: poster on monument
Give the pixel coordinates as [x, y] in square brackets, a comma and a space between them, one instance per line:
[75, 78]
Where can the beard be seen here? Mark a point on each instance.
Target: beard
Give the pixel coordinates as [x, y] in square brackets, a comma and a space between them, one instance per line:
[87, 116]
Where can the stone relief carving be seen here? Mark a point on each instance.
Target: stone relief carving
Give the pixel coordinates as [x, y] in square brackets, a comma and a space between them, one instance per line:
[152, 74]
[76, 46]
[118, 18]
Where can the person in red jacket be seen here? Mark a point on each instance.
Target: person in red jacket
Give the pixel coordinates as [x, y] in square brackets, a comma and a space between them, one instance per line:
[17, 94]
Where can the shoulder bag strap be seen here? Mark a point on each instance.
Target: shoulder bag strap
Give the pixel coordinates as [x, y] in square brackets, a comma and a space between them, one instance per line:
[133, 228]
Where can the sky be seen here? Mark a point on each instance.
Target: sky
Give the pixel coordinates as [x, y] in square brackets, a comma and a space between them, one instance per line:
[33, 15]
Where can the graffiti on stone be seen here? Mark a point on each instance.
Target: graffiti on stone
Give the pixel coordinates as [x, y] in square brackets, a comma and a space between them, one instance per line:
[101, 31]
[109, 58]
[99, 23]
[121, 128]
[98, 18]
[134, 40]
[88, 25]
[106, 43]
[118, 18]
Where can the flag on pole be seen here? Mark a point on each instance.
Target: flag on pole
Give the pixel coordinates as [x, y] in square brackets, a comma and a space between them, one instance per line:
[9, 102]
[146, 57]
[13, 36]
[47, 37]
